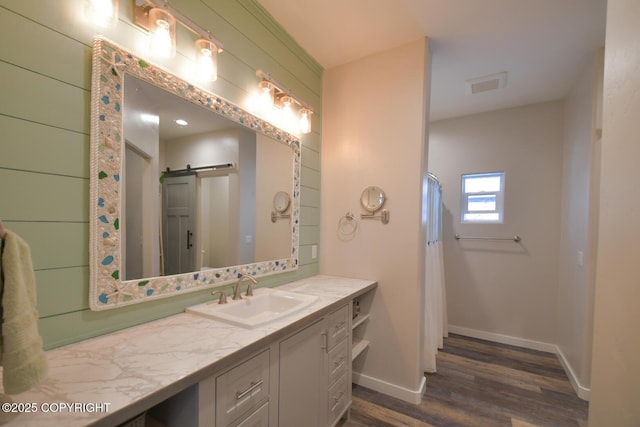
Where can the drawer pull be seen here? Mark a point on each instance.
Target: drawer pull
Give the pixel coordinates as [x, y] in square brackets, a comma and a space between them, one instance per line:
[338, 362]
[253, 386]
[337, 399]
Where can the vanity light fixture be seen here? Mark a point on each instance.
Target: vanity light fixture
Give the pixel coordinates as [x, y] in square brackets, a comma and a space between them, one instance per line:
[103, 13]
[282, 98]
[159, 19]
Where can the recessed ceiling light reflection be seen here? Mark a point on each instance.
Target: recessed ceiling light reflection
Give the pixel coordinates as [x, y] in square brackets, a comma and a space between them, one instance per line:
[150, 118]
[182, 122]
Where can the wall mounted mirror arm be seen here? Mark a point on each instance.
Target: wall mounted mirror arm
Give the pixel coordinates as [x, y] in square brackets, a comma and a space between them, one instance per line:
[276, 216]
[384, 216]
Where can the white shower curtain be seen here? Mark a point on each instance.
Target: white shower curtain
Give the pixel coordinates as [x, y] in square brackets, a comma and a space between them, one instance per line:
[435, 316]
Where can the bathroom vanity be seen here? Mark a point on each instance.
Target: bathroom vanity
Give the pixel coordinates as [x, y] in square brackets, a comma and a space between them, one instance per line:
[190, 370]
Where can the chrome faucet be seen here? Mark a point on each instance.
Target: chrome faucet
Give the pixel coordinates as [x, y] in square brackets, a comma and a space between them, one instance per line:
[236, 292]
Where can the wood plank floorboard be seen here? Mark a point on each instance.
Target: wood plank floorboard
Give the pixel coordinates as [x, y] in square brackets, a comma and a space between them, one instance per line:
[480, 383]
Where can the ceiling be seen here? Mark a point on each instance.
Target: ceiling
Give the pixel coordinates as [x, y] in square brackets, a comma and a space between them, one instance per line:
[541, 44]
[170, 107]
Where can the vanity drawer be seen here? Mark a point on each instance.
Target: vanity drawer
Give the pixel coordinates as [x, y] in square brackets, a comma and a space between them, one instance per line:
[338, 399]
[242, 389]
[338, 326]
[260, 418]
[338, 360]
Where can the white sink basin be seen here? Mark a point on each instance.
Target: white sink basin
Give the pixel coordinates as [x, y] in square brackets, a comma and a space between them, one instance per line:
[265, 306]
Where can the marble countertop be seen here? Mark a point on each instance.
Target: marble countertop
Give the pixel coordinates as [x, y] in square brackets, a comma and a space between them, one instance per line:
[109, 379]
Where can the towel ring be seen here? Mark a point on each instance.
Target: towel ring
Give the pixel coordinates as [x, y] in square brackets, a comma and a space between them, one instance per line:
[347, 226]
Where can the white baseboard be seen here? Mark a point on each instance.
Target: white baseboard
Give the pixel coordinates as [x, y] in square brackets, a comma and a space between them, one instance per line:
[582, 392]
[503, 339]
[411, 396]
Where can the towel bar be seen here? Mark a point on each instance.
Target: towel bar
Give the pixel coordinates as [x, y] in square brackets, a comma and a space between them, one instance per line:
[515, 238]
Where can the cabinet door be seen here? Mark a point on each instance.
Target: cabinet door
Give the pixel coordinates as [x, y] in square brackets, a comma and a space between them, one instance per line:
[303, 387]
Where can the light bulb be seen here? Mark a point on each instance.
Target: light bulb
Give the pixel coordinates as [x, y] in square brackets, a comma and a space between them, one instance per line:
[305, 120]
[287, 116]
[206, 60]
[266, 96]
[103, 13]
[162, 33]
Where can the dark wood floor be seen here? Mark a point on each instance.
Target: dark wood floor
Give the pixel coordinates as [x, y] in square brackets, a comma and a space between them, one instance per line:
[480, 383]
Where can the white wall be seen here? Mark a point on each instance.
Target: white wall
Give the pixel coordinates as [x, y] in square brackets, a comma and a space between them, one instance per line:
[578, 229]
[374, 133]
[212, 148]
[615, 375]
[214, 222]
[503, 287]
[236, 146]
[274, 169]
[196, 150]
[143, 136]
[246, 196]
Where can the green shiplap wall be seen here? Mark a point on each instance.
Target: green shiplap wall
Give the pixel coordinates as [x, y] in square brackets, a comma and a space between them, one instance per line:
[45, 88]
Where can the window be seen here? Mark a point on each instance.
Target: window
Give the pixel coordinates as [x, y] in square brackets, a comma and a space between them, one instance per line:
[482, 197]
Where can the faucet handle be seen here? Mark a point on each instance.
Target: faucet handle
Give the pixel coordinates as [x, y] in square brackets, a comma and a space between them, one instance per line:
[223, 296]
[249, 292]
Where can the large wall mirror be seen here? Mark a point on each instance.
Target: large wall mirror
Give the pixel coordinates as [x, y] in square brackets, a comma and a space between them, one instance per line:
[182, 186]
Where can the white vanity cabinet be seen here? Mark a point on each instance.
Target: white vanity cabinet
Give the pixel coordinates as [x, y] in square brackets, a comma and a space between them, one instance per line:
[212, 374]
[314, 389]
[338, 370]
[303, 379]
[243, 390]
[302, 386]
[299, 379]
[240, 395]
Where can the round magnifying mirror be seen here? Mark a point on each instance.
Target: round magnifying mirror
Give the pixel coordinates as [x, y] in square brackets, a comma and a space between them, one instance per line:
[372, 198]
[281, 201]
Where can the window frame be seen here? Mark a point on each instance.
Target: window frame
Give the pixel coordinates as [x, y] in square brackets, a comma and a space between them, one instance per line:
[499, 198]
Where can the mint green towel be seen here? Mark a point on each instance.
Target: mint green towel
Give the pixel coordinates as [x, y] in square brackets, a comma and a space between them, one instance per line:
[21, 354]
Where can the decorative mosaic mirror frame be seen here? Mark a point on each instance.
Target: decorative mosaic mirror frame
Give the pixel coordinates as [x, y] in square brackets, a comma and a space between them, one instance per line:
[107, 291]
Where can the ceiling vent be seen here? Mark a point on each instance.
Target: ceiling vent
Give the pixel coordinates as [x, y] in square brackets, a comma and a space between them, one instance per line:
[486, 83]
